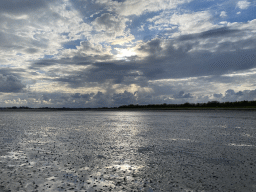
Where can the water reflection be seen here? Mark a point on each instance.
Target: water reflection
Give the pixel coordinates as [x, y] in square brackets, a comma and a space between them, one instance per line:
[240, 145]
[127, 151]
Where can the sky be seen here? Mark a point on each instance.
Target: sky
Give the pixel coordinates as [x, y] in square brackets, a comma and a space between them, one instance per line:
[107, 53]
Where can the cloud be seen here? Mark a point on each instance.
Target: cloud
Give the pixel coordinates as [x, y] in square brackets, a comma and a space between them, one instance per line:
[85, 97]
[108, 99]
[219, 32]
[21, 7]
[188, 60]
[139, 7]
[223, 14]
[193, 22]
[231, 95]
[112, 25]
[217, 95]
[172, 24]
[243, 4]
[124, 98]
[227, 50]
[10, 84]
[31, 30]
[182, 95]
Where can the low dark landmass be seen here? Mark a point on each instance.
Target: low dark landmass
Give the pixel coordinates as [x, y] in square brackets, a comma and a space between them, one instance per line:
[211, 105]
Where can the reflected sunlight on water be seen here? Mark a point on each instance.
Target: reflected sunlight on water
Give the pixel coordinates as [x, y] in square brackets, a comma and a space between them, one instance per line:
[128, 151]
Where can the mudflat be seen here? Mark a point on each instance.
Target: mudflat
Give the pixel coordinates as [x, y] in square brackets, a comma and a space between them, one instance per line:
[128, 151]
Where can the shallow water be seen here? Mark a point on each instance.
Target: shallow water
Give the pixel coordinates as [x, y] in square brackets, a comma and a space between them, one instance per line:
[128, 151]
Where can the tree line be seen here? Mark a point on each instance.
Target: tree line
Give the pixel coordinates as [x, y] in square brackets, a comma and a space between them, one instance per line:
[210, 104]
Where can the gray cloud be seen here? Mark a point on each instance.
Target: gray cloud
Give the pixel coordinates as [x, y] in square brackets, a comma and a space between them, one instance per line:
[182, 95]
[84, 97]
[109, 99]
[216, 95]
[165, 60]
[231, 95]
[113, 25]
[21, 7]
[124, 98]
[219, 32]
[31, 50]
[181, 62]
[10, 84]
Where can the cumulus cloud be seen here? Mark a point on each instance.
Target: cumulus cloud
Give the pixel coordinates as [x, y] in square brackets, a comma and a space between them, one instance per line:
[243, 4]
[223, 14]
[231, 95]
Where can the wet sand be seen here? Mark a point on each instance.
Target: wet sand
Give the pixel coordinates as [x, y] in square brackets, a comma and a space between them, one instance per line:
[128, 151]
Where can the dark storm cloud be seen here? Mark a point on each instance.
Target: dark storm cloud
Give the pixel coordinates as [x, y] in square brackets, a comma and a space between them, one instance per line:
[10, 84]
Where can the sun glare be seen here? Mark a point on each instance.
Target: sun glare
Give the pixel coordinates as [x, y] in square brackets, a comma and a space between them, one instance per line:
[123, 54]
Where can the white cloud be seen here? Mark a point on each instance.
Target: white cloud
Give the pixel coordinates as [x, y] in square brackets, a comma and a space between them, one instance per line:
[186, 23]
[138, 7]
[35, 34]
[243, 4]
[223, 14]
[193, 22]
[122, 40]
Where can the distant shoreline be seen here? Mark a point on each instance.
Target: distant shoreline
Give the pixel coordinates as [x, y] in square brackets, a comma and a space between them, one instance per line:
[211, 105]
[124, 109]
